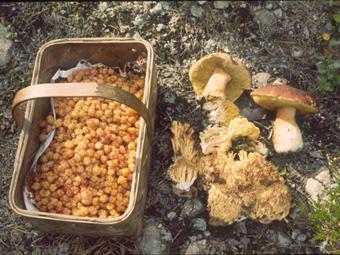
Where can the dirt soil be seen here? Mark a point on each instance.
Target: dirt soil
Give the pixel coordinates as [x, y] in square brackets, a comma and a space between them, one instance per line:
[282, 38]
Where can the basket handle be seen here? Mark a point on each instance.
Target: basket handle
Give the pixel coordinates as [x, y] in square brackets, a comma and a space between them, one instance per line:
[86, 89]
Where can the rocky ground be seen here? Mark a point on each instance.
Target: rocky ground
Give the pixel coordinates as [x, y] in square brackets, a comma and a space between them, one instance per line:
[275, 39]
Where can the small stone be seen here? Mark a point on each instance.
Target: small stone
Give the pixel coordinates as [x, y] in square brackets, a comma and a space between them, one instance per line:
[160, 27]
[315, 186]
[269, 6]
[295, 233]
[196, 247]
[139, 22]
[280, 81]
[191, 208]
[156, 10]
[329, 26]
[221, 4]
[199, 224]
[253, 113]
[196, 11]
[171, 215]
[243, 5]
[210, 45]
[297, 52]
[316, 154]
[283, 240]
[265, 18]
[301, 238]
[278, 13]
[5, 46]
[294, 213]
[169, 98]
[201, 2]
[306, 33]
[206, 233]
[260, 79]
[155, 238]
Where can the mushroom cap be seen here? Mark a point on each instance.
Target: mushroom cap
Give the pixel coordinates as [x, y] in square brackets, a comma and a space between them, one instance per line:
[276, 96]
[201, 71]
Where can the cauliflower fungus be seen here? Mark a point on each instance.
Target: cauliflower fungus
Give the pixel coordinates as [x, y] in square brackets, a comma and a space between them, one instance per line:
[183, 171]
[219, 138]
[251, 188]
[224, 113]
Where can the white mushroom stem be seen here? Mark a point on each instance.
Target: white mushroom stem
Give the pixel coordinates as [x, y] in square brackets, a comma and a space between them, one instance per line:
[286, 133]
[216, 84]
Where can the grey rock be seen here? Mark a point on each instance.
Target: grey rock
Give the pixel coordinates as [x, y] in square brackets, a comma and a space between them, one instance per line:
[169, 98]
[171, 215]
[280, 81]
[278, 13]
[294, 213]
[301, 238]
[315, 186]
[155, 238]
[196, 247]
[206, 233]
[260, 79]
[329, 26]
[269, 6]
[199, 224]
[283, 240]
[3, 202]
[196, 11]
[295, 233]
[160, 27]
[243, 5]
[297, 52]
[201, 2]
[264, 18]
[156, 10]
[5, 46]
[139, 21]
[210, 45]
[221, 4]
[191, 208]
[253, 113]
[306, 33]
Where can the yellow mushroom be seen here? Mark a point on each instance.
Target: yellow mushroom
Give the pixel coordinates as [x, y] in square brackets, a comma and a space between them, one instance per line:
[217, 75]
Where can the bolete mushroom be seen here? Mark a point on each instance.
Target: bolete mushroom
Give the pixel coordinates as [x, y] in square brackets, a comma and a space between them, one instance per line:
[217, 75]
[286, 100]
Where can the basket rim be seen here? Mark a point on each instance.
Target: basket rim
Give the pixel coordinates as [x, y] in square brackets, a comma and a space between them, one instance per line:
[29, 111]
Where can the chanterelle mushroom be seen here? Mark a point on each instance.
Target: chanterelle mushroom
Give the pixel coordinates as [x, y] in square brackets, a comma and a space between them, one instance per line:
[252, 188]
[218, 76]
[216, 138]
[183, 171]
[286, 101]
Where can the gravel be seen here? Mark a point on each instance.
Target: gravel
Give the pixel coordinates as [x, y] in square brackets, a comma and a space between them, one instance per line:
[191, 208]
